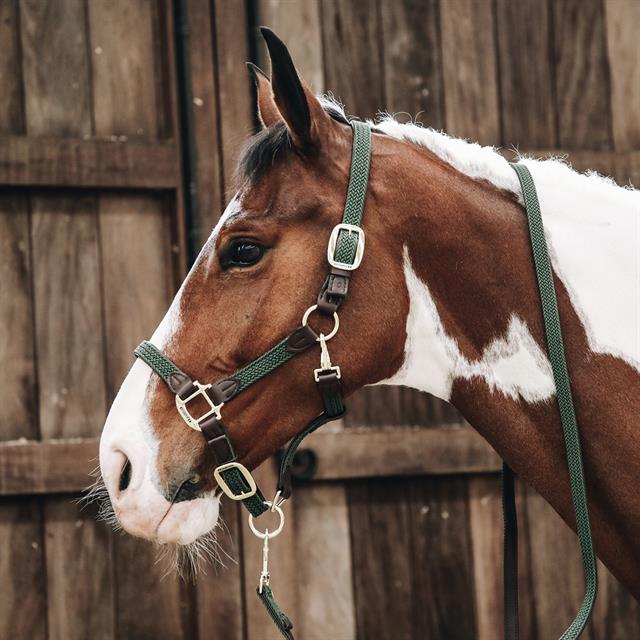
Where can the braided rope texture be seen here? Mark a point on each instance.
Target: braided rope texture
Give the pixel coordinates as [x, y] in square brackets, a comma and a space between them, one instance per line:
[277, 615]
[150, 354]
[357, 191]
[238, 485]
[263, 365]
[555, 347]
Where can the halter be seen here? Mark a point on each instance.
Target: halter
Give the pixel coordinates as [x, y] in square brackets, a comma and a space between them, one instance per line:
[344, 253]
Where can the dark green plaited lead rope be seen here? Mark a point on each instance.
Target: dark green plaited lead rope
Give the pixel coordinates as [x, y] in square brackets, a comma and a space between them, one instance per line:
[555, 348]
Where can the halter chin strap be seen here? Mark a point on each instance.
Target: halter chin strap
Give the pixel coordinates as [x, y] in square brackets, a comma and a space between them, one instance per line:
[344, 253]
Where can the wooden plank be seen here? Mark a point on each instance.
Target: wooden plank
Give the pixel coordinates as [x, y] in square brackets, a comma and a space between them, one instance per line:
[61, 466]
[125, 55]
[298, 25]
[380, 544]
[220, 589]
[18, 404]
[441, 558]
[526, 91]
[24, 601]
[206, 120]
[581, 76]
[362, 453]
[324, 571]
[67, 319]
[556, 568]
[52, 466]
[70, 162]
[352, 55]
[78, 556]
[622, 18]
[469, 69]
[412, 60]
[237, 119]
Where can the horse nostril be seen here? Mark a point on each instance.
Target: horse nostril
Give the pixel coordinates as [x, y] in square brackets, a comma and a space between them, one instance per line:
[190, 489]
[125, 476]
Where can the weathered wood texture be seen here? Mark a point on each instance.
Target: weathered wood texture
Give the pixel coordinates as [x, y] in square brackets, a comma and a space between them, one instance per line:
[90, 163]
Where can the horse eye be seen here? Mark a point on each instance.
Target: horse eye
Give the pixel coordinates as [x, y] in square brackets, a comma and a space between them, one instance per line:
[241, 253]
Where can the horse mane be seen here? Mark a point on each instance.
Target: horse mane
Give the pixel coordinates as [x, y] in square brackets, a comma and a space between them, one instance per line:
[271, 145]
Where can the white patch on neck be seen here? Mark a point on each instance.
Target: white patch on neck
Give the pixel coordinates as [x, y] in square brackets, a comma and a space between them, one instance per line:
[512, 364]
[592, 227]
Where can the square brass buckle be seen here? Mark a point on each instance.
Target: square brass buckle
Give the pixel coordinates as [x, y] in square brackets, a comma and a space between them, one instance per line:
[181, 405]
[333, 241]
[245, 474]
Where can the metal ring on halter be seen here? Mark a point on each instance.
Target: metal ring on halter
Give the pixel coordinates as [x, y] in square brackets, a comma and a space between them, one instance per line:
[336, 322]
[270, 534]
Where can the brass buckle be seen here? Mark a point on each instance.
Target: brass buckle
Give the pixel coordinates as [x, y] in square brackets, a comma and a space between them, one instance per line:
[333, 241]
[245, 474]
[181, 405]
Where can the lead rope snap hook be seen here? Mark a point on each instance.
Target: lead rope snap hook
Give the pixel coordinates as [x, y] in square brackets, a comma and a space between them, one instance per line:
[264, 574]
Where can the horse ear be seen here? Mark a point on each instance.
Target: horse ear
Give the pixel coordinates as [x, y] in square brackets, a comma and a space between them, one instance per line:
[268, 113]
[298, 107]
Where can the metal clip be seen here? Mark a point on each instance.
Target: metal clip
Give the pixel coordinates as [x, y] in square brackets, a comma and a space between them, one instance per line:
[325, 360]
[264, 574]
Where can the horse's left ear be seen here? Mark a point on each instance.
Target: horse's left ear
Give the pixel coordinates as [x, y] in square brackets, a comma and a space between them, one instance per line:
[300, 109]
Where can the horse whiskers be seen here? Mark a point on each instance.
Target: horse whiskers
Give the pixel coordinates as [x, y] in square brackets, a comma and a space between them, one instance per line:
[187, 560]
[96, 493]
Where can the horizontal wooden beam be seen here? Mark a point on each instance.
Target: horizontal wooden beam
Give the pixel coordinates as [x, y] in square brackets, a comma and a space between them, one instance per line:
[53, 466]
[365, 452]
[63, 466]
[68, 162]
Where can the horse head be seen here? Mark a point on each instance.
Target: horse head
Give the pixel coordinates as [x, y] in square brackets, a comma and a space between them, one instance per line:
[258, 272]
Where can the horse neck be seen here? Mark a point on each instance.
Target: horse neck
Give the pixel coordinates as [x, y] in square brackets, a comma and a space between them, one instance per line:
[475, 338]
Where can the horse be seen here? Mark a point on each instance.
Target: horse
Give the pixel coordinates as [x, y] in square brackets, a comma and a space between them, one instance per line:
[444, 301]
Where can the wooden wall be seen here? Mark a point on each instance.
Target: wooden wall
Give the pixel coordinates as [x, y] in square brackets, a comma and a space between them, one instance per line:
[405, 545]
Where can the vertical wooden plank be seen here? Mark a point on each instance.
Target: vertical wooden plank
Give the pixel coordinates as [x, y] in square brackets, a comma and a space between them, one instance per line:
[206, 120]
[67, 313]
[323, 563]
[526, 91]
[136, 275]
[485, 513]
[381, 530]
[352, 55]
[442, 560]
[236, 105]
[23, 602]
[469, 68]
[67, 317]
[81, 556]
[298, 24]
[412, 60]
[622, 20]
[220, 589]
[582, 83]
[556, 568]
